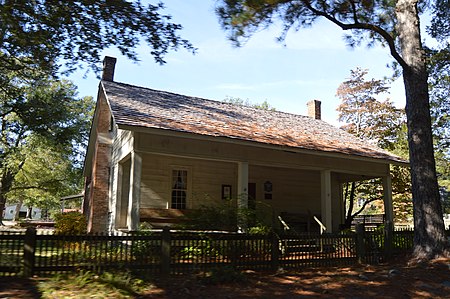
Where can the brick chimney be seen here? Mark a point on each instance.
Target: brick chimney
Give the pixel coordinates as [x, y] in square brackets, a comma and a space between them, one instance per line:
[109, 64]
[314, 109]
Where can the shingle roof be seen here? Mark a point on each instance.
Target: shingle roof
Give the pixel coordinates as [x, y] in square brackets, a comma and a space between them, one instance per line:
[144, 107]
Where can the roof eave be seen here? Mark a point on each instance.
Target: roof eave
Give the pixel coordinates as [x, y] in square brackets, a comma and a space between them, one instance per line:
[180, 134]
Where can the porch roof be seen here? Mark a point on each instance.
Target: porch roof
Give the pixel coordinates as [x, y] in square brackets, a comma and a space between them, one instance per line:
[144, 107]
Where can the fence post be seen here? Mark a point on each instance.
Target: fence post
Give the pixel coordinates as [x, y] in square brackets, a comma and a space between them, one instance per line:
[388, 239]
[29, 248]
[165, 252]
[360, 246]
[275, 253]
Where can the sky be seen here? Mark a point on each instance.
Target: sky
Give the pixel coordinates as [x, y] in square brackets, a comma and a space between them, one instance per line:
[309, 65]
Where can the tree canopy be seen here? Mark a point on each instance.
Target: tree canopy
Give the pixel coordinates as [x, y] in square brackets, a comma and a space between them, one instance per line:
[241, 102]
[44, 125]
[376, 121]
[43, 129]
[51, 34]
[396, 25]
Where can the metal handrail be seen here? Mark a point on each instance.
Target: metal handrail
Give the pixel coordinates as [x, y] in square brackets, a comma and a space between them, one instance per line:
[322, 227]
[286, 227]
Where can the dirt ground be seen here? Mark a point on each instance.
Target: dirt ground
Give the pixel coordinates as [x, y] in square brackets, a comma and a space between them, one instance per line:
[393, 280]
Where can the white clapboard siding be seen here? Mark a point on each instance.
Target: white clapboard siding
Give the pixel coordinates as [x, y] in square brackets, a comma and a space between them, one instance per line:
[205, 179]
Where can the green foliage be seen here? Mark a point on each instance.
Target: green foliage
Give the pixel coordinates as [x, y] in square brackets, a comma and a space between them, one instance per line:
[439, 84]
[44, 133]
[145, 249]
[260, 229]
[202, 248]
[380, 122]
[440, 23]
[240, 102]
[225, 217]
[45, 34]
[364, 115]
[86, 284]
[218, 217]
[241, 18]
[71, 223]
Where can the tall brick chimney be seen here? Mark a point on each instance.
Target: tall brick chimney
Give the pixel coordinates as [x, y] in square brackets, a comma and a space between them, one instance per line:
[314, 109]
[109, 64]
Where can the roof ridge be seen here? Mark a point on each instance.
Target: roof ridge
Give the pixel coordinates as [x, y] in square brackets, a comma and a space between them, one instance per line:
[219, 101]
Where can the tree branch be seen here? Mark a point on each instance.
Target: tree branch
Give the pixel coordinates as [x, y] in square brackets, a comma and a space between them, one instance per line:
[39, 187]
[361, 26]
[364, 206]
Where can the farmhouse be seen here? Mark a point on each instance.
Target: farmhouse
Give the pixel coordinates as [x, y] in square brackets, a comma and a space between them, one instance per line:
[153, 155]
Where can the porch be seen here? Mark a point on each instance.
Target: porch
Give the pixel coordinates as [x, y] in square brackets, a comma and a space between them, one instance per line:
[157, 183]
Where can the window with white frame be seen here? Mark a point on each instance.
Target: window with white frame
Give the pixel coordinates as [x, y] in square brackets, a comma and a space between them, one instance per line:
[179, 188]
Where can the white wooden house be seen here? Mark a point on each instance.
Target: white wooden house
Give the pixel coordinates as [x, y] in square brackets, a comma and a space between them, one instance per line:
[153, 155]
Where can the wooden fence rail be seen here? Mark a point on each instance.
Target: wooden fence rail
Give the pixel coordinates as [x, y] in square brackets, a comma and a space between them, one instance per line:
[173, 252]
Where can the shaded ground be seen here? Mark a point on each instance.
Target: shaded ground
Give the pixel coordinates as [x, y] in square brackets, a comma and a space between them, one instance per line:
[394, 280]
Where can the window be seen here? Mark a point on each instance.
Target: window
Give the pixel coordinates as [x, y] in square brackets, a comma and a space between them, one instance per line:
[179, 189]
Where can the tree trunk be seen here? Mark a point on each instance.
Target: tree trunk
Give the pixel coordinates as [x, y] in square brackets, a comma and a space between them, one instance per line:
[5, 185]
[429, 237]
[17, 213]
[351, 203]
[2, 208]
[29, 213]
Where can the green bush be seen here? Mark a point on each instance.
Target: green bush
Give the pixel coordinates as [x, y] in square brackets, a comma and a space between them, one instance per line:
[145, 250]
[224, 216]
[220, 217]
[71, 223]
[200, 249]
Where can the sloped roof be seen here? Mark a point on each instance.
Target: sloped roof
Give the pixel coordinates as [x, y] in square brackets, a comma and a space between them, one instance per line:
[144, 107]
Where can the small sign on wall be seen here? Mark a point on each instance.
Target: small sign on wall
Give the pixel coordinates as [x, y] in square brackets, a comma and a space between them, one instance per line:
[268, 187]
[226, 191]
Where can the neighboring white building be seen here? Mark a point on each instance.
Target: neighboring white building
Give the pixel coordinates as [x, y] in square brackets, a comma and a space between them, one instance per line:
[447, 221]
[10, 211]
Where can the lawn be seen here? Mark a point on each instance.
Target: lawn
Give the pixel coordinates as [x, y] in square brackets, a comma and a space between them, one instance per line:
[391, 280]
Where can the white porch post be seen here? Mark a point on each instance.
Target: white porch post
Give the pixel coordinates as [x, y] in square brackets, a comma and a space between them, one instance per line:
[325, 186]
[135, 192]
[242, 193]
[387, 198]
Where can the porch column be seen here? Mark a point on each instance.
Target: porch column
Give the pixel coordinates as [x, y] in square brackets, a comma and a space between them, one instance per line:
[242, 193]
[387, 198]
[135, 192]
[325, 186]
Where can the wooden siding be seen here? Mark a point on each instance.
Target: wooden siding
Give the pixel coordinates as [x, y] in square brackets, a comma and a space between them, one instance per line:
[205, 179]
[123, 144]
[121, 149]
[294, 190]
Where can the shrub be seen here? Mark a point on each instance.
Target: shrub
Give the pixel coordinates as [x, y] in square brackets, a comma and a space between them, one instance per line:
[224, 216]
[71, 223]
[145, 250]
[220, 217]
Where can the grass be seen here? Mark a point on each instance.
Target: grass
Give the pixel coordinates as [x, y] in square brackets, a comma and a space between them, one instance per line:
[123, 285]
[90, 285]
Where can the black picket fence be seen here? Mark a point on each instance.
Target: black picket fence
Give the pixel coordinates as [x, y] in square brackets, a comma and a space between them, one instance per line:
[177, 252]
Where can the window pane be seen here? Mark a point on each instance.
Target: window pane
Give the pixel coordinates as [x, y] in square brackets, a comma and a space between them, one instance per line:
[179, 187]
